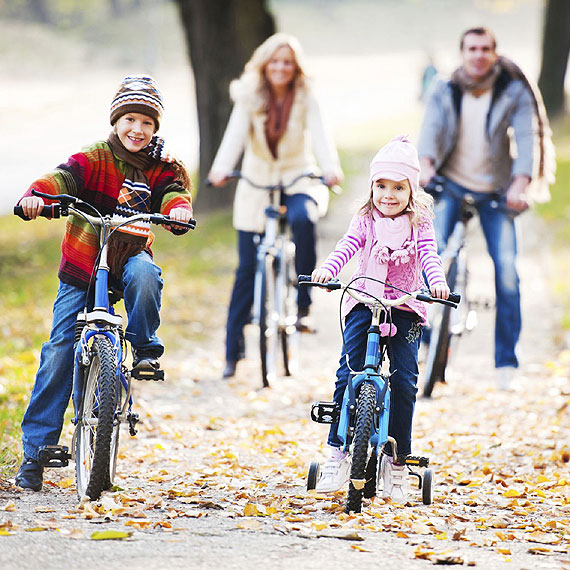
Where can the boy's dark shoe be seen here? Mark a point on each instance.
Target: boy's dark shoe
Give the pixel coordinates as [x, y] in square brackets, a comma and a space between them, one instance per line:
[145, 361]
[30, 475]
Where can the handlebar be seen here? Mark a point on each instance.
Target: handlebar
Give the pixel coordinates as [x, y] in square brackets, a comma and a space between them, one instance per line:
[237, 174]
[452, 301]
[67, 203]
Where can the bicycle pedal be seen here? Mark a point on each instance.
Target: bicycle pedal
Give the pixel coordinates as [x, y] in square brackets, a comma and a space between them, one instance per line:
[54, 456]
[325, 412]
[147, 374]
[133, 419]
[417, 461]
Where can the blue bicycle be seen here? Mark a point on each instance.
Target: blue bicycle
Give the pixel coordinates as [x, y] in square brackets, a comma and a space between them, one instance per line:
[102, 392]
[364, 415]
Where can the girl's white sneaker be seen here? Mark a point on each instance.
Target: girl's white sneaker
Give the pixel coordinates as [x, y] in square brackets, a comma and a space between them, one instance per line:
[335, 472]
[394, 479]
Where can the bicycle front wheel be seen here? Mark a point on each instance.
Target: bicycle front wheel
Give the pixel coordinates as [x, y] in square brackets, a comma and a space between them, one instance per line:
[96, 422]
[438, 348]
[268, 321]
[361, 446]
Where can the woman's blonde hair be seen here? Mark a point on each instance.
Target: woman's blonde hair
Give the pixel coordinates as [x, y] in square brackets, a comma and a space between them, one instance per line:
[252, 85]
[419, 207]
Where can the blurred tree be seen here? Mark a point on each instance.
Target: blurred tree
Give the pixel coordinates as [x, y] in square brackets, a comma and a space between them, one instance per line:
[555, 50]
[221, 36]
[39, 11]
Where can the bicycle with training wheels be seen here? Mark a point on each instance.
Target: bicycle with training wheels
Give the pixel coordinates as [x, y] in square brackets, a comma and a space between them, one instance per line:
[364, 415]
[102, 390]
[447, 326]
[275, 284]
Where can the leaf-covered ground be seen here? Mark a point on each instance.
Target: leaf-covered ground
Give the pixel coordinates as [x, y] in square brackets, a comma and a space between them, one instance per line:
[216, 475]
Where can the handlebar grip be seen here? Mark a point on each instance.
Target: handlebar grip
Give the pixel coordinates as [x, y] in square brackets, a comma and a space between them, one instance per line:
[454, 297]
[306, 280]
[52, 211]
[451, 301]
[159, 219]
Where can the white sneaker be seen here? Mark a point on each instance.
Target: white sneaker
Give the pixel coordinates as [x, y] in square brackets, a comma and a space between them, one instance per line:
[394, 480]
[335, 472]
[505, 376]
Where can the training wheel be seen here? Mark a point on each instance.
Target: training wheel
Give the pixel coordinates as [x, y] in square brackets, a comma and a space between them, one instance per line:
[427, 487]
[313, 475]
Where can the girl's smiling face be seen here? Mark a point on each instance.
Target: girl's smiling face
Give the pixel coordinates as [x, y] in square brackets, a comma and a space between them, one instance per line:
[135, 130]
[391, 198]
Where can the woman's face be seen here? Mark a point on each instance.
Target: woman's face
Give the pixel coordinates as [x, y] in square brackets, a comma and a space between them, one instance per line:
[280, 70]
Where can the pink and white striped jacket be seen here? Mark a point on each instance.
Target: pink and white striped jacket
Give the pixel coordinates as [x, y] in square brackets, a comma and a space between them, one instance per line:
[360, 237]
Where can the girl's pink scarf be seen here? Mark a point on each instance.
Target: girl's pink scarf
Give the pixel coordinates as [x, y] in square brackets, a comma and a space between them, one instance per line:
[392, 242]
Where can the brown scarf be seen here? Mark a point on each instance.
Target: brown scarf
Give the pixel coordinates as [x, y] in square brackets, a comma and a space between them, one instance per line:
[546, 163]
[277, 118]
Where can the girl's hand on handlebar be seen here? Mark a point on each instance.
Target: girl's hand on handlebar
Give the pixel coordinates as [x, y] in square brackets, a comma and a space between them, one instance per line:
[439, 291]
[321, 275]
[32, 206]
[217, 178]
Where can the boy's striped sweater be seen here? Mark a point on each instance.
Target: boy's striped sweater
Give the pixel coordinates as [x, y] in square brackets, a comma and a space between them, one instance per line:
[95, 175]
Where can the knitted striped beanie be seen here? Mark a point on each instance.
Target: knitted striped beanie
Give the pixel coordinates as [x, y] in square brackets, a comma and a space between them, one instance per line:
[137, 94]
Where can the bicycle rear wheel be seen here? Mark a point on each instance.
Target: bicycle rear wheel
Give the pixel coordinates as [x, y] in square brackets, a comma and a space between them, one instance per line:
[361, 446]
[440, 337]
[96, 421]
[268, 323]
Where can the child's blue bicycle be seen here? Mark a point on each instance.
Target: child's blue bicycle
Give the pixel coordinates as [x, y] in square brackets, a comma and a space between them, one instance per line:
[364, 415]
[102, 394]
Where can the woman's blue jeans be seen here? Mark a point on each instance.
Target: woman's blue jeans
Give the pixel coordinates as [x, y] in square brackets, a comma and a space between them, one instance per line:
[500, 231]
[44, 416]
[301, 217]
[403, 356]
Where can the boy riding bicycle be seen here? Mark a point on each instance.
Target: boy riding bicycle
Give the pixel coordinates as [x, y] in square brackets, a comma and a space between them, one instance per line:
[126, 174]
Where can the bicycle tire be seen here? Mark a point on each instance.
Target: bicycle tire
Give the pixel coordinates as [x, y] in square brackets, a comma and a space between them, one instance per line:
[96, 419]
[288, 331]
[268, 329]
[440, 337]
[361, 445]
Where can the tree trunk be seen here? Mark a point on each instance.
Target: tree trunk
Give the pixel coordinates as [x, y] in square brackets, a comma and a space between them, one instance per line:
[221, 36]
[555, 50]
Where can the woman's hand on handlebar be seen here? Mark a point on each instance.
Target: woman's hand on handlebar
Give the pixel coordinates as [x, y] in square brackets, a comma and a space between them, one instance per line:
[439, 291]
[333, 178]
[217, 178]
[32, 206]
[321, 276]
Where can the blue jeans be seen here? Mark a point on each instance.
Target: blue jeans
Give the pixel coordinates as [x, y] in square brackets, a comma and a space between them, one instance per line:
[403, 356]
[499, 229]
[301, 217]
[44, 416]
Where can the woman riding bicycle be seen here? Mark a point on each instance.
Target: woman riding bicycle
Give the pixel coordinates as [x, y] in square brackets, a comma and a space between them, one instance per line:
[274, 121]
[127, 174]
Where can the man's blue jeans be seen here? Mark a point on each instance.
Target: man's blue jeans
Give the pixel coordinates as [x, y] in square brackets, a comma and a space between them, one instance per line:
[44, 416]
[301, 217]
[499, 229]
[403, 356]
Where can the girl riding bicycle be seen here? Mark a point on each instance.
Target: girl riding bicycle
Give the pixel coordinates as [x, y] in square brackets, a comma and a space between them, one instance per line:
[393, 233]
[126, 174]
[274, 122]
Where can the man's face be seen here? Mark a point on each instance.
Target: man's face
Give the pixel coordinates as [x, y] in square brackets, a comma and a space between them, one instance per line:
[478, 55]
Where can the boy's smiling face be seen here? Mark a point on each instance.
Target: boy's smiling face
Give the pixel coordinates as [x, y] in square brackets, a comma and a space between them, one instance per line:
[135, 130]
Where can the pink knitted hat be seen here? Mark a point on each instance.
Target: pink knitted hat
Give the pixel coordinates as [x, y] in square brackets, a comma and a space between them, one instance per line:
[397, 160]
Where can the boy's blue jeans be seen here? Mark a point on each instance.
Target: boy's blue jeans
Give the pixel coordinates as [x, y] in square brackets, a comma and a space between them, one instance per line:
[44, 416]
[403, 356]
[499, 229]
[301, 217]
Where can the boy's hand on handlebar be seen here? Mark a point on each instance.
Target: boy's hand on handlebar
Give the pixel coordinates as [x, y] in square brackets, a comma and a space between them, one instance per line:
[180, 214]
[32, 206]
[321, 275]
[439, 291]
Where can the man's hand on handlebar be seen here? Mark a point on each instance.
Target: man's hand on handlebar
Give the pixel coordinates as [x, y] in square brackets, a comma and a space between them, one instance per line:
[439, 291]
[427, 170]
[32, 206]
